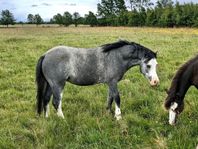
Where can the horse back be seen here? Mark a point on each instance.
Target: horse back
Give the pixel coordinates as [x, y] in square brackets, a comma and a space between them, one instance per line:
[76, 65]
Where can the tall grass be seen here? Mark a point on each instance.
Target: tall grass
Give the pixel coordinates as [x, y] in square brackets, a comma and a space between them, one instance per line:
[87, 123]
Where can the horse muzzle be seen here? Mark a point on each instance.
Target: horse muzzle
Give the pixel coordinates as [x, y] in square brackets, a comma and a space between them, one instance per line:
[154, 82]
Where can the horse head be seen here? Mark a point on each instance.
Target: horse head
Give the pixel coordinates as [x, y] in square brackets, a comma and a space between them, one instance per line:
[175, 106]
[148, 68]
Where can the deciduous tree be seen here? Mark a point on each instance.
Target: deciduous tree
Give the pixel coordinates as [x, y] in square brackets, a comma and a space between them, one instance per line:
[30, 18]
[91, 19]
[76, 17]
[67, 18]
[7, 18]
[38, 20]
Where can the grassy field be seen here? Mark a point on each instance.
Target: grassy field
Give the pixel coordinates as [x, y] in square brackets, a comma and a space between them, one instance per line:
[87, 123]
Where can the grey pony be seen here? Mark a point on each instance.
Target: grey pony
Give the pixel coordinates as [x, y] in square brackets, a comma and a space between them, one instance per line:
[104, 64]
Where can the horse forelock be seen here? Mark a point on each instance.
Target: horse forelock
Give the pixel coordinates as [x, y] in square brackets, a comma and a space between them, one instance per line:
[149, 54]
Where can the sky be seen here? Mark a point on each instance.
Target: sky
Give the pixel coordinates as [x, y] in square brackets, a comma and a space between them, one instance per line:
[48, 8]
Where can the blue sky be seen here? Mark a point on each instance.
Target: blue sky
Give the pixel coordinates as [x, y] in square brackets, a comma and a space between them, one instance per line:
[48, 8]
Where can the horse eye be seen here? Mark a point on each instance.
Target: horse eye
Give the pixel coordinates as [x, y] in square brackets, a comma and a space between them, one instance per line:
[148, 66]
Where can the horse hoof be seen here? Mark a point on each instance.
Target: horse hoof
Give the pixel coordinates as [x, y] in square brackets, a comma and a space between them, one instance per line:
[118, 117]
[60, 115]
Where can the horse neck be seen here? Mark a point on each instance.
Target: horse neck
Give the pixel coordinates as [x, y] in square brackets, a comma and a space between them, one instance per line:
[134, 62]
[183, 85]
[138, 59]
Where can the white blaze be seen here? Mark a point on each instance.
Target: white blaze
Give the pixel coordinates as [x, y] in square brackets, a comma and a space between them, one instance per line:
[152, 71]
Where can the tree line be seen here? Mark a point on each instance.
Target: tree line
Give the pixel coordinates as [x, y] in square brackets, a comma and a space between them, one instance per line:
[164, 13]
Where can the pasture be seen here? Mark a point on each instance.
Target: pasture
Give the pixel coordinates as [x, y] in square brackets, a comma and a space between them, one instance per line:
[87, 123]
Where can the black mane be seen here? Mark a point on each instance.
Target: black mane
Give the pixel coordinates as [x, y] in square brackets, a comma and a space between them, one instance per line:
[115, 45]
[110, 46]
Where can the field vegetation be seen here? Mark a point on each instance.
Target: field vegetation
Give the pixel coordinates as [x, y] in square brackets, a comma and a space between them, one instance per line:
[87, 123]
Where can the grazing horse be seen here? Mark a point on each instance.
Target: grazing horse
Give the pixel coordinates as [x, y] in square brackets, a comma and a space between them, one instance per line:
[186, 76]
[105, 64]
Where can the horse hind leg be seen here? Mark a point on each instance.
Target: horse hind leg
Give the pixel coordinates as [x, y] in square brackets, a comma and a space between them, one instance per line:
[47, 97]
[57, 99]
[114, 94]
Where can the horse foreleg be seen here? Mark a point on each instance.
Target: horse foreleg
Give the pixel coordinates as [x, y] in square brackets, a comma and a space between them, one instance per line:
[59, 110]
[117, 107]
[109, 103]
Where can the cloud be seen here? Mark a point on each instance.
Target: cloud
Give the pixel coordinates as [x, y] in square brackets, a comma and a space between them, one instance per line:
[46, 8]
[67, 4]
[72, 4]
[34, 5]
[4, 3]
[46, 4]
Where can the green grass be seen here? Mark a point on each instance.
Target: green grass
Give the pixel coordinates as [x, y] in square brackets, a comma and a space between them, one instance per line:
[87, 123]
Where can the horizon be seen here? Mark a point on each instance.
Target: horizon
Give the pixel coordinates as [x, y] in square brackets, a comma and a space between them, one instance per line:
[48, 8]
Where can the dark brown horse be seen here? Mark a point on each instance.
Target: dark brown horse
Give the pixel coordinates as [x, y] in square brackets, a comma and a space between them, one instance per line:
[186, 76]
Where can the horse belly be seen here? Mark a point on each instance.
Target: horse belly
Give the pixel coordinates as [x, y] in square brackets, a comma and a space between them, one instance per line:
[84, 77]
[85, 68]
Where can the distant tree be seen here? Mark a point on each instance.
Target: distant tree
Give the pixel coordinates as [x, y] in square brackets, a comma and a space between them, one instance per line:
[76, 17]
[164, 14]
[91, 19]
[21, 22]
[137, 4]
[67, 18]
[81, 20]
[51, 21]
[30, 18]
[107, 10]
[123, 18]
[195, 22]
[142, 16]
[167, 18]
[38, 20]
[120, 6]
[133, 18]
[58, 19]
[102, 21]
[164, 3]
[151, 18]
[132, 4]
[178, 13]
[7, 18]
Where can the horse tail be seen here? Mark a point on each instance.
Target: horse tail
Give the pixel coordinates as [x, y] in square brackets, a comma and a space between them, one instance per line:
[41, 85]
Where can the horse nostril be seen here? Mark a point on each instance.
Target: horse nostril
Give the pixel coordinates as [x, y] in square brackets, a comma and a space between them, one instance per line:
[155, 82]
